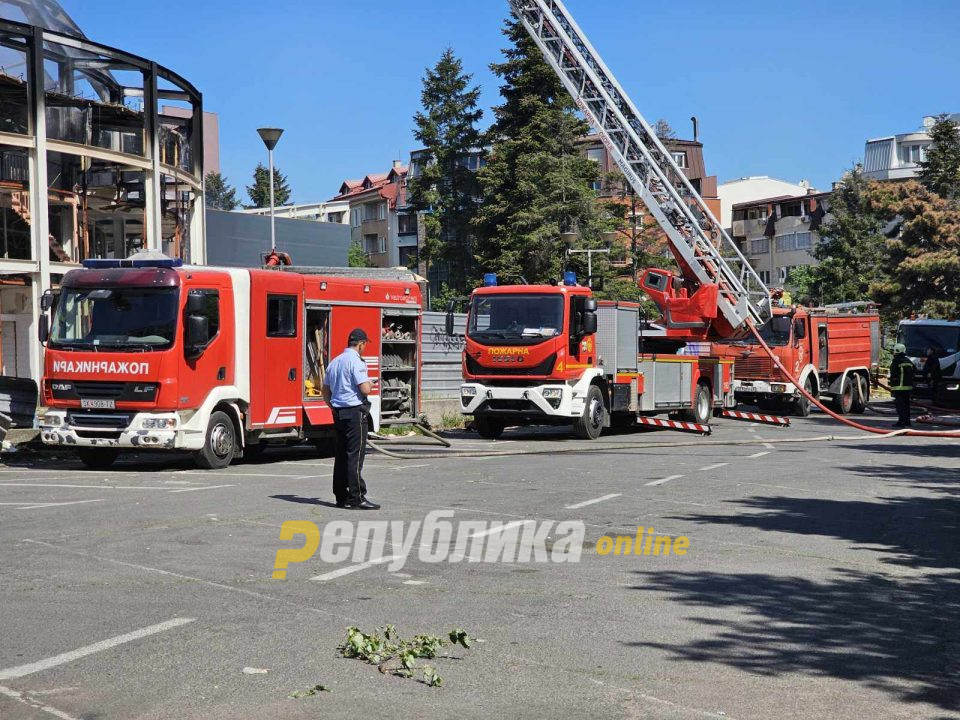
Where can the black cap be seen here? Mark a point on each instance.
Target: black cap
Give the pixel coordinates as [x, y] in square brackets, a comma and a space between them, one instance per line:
[357, 335]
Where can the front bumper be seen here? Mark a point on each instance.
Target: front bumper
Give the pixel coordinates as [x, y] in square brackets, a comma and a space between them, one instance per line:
[553, 400]
[752, 388]
[58, 427]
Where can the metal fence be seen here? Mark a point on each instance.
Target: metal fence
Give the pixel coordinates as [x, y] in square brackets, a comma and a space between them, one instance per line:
[441, 356]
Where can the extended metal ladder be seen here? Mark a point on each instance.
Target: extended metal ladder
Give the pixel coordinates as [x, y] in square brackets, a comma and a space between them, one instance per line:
[697, 238]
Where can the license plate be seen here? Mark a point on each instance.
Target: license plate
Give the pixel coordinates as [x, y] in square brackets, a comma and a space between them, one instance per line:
[98, 404]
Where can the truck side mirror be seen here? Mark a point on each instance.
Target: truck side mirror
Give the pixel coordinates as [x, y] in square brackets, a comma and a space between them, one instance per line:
[43, 328]
[194, 303]
[448, 323]
[197, 335]
[590, 305]
[46, 300]
[589, 321]
[799, 329]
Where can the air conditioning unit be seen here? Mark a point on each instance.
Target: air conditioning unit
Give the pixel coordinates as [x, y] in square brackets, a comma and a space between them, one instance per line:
[804, 218]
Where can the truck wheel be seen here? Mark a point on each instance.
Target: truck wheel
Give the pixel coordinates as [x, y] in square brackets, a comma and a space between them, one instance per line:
[702, 409]
[220, 443]
[97, 458]
[802, 405]
[861, 394]
[488, 427]
[843, 401]
[589, 425]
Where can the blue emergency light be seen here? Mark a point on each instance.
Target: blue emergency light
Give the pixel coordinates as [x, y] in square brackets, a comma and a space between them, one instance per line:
[109, 264]
[570, 278]
[489, 279]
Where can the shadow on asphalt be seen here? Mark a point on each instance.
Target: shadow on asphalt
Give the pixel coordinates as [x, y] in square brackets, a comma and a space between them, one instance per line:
[896, 633]
[303, 500]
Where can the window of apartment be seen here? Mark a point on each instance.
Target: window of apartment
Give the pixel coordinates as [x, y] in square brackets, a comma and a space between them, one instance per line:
[791, 209]
[281, 315]
[408, 256]
[757, 213]
[381, 211]
[764, 276]
[913, 154]
[370, 211]
[599, 156]
[739, 215]
[356, 217]
[374, 244]
[760, 246]
[680, 158]
[794, 241]
[335, 217]
[407, 224]
[785, 272]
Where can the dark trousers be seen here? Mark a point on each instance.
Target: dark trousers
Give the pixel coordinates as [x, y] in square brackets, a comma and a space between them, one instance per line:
[901, 398]
[351, 427]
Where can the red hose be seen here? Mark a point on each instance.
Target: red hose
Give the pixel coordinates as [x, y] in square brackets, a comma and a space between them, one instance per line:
[831, 413]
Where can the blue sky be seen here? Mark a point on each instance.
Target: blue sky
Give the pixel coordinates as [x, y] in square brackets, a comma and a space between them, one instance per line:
[790, 90]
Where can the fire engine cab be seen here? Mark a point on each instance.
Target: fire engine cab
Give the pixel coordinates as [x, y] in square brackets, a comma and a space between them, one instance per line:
[147, 354]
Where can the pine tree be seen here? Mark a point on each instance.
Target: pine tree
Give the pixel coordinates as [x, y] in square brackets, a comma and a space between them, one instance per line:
[852, 246]
[259, 192]
[536, 184]
[940, 172]
[446, 189]
[218, 193]
[922, 259]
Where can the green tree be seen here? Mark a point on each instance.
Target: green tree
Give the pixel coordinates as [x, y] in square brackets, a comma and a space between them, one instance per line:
[940, 172]
[852, 246]
[357, 256]
[218, 193]
[537, 184]
[446, 189]
[259, 192]
[922, 259]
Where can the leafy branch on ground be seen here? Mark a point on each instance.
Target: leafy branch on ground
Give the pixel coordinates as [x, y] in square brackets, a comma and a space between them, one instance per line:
[309, 692]
[398, 656]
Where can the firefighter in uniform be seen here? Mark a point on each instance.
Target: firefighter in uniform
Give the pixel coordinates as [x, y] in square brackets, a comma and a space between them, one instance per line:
[345, 389]
[901, 384]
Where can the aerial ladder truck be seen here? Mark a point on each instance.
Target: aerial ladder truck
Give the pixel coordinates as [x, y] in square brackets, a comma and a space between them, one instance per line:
[552, 354]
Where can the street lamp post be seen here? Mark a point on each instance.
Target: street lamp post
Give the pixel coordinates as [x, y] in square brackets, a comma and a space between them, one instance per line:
[270, 137]
[589, 252]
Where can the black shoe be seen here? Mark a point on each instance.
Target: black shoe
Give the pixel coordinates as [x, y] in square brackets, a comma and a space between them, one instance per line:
[344, 503]
[364, 504]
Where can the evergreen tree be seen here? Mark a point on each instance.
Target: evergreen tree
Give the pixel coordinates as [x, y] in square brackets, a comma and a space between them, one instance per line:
[940, 172]
[922, 259]
[446, 189]
[218, 193]
[852, 246]
[259, 192]
[536, 184]
[357, 256]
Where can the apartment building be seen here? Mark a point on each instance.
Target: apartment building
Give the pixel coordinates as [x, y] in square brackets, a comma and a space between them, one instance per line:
[778, 234]
[754, 189]
[379, 216]
[897, 157]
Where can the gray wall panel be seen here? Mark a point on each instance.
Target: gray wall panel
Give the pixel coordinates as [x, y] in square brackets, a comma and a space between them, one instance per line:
[441, 356]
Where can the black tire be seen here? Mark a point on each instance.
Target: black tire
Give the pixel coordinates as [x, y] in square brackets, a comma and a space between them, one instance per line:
[97, 458]
[861, 394]
[802, 405]
[702, 409]
[220, 443]
[843, 401]
[589, 425]
[487, 427]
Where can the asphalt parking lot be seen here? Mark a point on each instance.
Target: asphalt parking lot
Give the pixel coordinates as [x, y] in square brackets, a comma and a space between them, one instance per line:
[821, 581]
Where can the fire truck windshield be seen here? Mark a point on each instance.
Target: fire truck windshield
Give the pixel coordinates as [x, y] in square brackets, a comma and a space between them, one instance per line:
[516, 316]
[944, 339]
[776, 331]
[120, 319]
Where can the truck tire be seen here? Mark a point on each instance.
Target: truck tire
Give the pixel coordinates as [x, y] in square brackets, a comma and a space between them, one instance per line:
[489, 428]
[843, 401]
[702, 409]
[861, 394]
[220, 443]
[589, 425]
[802, 405]
[97, 458]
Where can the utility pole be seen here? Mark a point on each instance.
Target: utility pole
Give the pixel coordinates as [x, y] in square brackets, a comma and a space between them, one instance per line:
[270, 137]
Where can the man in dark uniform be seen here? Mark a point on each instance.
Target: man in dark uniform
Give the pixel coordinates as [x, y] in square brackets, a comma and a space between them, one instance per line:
[345, 389]
[901, 384]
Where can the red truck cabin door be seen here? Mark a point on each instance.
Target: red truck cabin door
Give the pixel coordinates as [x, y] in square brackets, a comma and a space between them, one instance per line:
[276, 350]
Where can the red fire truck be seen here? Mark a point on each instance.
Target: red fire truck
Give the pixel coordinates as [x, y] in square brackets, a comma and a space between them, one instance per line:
[147, 354]
[833, 351]
[552, 354]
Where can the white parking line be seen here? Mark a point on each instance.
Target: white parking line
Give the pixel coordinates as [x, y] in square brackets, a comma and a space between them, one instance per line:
[333, 574]
[36, 704]
[30, 668]
[769, 445]
[713, 467]
[661, 481]
[206, 487]
[94, 487]
[758, 455]
[36, 506]
[577, 506]
[508, 526]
